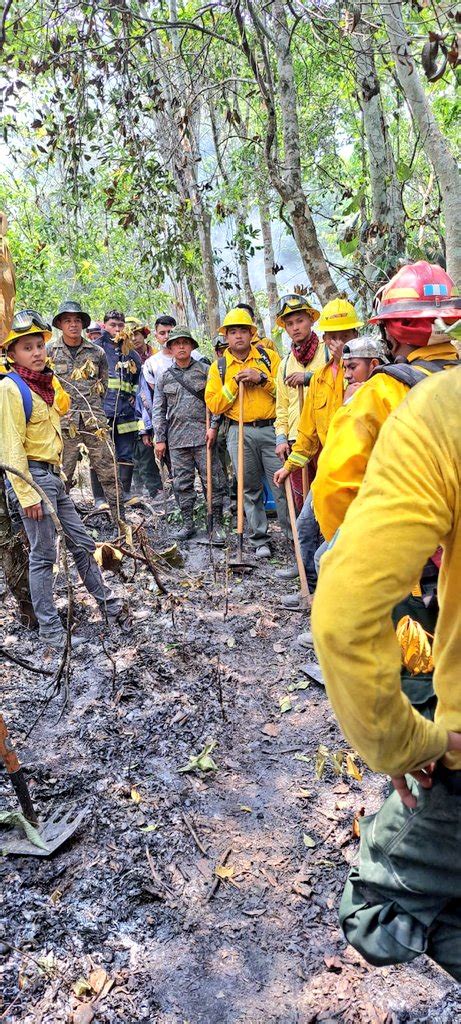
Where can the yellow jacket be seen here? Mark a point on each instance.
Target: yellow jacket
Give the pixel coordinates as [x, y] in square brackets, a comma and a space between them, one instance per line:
[409, 503]
[287, 402]
[39, 439]
[259, 402]
[352, 436]
[324, 397]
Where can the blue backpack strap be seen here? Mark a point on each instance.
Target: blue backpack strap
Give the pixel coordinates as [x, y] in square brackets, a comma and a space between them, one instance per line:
[25, 392]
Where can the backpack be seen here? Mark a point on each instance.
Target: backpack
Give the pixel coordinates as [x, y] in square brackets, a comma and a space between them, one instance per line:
[24, 390]
[414, 372]
[264, 356]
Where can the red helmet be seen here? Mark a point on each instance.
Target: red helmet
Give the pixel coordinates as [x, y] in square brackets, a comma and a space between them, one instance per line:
[418, 291]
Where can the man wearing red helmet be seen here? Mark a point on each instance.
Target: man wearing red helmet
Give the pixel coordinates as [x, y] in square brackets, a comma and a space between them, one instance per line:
[409, 304]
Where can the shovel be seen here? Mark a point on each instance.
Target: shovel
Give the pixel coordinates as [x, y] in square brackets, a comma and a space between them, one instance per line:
[238, 563]
[54, 831]
[305, 595]
[209, 496]
[304, 471]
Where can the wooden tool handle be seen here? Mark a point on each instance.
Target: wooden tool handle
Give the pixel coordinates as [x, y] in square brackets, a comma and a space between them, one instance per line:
[240, 462]
[7, 753]
[299, 558]
[209, 470]
[304, 471]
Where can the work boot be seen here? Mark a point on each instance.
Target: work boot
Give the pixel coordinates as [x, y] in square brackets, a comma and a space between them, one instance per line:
[57, 641]
[292, 600]
[126, 476]
[289, 573]
[218, 533]
[263, 551]
[188, 528]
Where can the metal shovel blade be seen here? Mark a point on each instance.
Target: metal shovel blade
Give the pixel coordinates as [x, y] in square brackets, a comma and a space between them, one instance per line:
[54, 831]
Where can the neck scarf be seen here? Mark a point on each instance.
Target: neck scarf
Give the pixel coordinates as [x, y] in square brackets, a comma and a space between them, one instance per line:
[40, 381]
[306, 351]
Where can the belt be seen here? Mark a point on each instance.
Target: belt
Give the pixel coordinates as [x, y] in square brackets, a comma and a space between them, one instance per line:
[254, 423]
[450, 779]
[49, 466]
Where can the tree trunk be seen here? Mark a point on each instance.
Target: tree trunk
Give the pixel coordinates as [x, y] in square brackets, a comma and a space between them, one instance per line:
[435, 144]
[385, 242]
[304, 229]
[269, 258]
[242, 259]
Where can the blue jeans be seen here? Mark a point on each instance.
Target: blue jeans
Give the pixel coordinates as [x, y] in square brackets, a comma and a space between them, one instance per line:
[310, 539]
[42, 540]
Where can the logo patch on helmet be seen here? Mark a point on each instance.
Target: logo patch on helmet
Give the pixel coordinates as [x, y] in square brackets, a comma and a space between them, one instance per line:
[435, 289]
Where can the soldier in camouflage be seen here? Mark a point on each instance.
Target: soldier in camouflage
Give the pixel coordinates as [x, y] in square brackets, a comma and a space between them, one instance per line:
[179, 417]
[82, 368]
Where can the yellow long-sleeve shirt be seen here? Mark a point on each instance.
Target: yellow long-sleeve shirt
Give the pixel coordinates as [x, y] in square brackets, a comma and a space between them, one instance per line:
[351, 437]
[409, 503]
[259, 402]
[39, 439]
[287, 401]
[324, 397]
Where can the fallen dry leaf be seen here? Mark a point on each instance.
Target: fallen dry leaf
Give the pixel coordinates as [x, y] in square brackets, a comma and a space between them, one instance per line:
[352, 768]
[135, 795]
[224, 871]
[308, 841]
[285, 703]
[84, 1014]
[333, 963]
[81, 987]
[356, 822]
[270, 729]
[98, 979]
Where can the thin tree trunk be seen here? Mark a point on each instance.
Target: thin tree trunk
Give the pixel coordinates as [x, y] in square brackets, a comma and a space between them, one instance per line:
[386, 234]
[244, 271]
[269, 258]
[304, 229]
[435, 144]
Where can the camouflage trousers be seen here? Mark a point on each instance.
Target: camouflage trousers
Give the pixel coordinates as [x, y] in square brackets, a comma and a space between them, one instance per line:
[100, 455]
[14, 559]
[184, 462]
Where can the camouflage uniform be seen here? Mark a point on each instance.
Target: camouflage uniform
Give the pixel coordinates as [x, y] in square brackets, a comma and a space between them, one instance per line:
[180, 418]
[86, 417]
[14, 559]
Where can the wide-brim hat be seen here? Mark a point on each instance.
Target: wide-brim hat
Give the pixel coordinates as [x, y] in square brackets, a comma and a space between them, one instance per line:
[72, 307]
[182, 331]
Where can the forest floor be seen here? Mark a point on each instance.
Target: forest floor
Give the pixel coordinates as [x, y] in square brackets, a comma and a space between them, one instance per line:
[129, 921]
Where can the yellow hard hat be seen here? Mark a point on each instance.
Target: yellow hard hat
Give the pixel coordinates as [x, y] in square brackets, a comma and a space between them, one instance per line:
[339, 315]
[27, 321]
[238, 318]
[294, 303]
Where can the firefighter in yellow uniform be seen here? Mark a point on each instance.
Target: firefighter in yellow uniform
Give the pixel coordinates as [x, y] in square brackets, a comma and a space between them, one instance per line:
[404, 898]
[244, 360]
[339, 323]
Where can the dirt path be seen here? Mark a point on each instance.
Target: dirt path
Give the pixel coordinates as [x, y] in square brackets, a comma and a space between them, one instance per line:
[134, 896]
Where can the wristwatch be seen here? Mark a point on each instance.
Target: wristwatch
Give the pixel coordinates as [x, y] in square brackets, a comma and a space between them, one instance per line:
[263, 378]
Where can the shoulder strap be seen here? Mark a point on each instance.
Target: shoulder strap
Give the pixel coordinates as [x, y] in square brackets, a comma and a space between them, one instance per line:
[24, 390]
[285, 367]
[414, 372]
[265, 356]
[222, 368]
[179, 377]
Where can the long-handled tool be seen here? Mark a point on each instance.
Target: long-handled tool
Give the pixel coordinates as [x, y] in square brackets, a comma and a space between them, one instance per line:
[239, 563]
[209, 496]
[52, 832]
[304, 471]
[305, 595]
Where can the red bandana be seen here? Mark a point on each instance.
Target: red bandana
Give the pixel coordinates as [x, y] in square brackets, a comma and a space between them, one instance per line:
[39, 381]
[306, 351]
[410, 332]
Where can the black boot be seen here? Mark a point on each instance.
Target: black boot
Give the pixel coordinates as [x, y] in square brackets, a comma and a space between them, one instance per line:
[188, 527]
[126, 476]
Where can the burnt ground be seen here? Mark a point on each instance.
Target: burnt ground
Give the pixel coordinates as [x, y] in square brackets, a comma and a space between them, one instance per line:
[128, 922]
